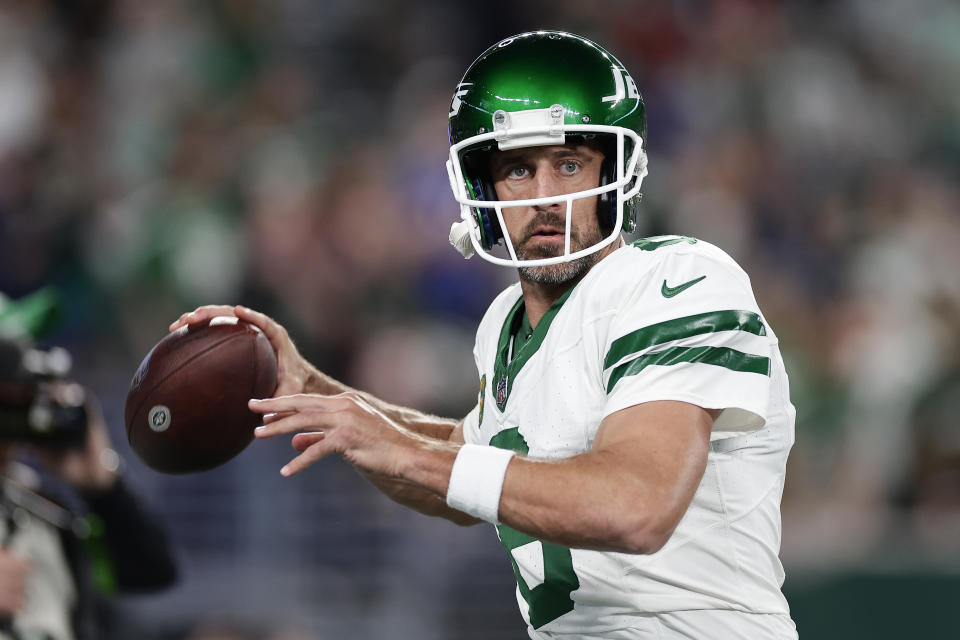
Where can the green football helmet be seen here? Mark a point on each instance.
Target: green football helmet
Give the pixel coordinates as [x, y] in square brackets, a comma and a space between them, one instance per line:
[544, 88]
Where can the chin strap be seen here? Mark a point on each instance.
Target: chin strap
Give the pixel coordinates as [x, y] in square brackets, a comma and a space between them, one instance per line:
[460, 237]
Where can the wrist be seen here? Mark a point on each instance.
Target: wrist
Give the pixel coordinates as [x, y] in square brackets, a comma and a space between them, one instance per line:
[315, 381]
[476, 481]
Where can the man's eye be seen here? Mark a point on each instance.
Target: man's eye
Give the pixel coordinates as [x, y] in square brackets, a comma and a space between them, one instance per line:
[570, 166]
[517, 172]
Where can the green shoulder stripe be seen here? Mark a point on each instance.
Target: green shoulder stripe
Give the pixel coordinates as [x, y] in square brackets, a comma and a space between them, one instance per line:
[717, 356]
[685, 327]
[649, 244]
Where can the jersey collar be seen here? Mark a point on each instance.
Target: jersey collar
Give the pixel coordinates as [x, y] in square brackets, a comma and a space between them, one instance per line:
[507, 368]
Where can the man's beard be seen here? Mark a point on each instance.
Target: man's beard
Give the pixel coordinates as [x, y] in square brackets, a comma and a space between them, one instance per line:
[563, 272]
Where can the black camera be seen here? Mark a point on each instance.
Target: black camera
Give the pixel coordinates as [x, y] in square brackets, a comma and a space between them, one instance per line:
[38, 403]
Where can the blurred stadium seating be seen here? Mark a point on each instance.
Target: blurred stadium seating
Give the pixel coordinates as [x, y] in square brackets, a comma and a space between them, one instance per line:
[289, 156]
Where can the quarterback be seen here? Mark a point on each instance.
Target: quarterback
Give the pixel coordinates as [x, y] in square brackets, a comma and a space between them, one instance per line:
[632, 427]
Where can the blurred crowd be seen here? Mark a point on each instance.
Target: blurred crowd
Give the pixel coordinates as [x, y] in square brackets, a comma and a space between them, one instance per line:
[290, 156]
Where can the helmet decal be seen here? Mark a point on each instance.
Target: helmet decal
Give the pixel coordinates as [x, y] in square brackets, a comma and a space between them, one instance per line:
[455, 105]
[622, 79]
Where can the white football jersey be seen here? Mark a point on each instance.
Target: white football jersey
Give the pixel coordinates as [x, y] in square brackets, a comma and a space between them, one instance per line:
[666, 318]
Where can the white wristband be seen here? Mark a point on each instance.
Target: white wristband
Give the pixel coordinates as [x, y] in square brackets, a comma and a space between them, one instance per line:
[476, 480]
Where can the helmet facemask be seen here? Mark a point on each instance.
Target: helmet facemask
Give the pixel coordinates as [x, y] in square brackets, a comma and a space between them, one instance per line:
[482, 225]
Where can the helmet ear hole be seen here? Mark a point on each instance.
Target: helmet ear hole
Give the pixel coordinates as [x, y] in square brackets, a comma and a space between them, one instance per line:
[490, 231]
[478, 172]
[607, 201]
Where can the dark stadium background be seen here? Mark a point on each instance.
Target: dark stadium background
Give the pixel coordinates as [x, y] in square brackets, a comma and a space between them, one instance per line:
[289, 155]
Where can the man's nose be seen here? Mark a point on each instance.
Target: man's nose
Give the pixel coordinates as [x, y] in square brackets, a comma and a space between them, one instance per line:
[544, 185]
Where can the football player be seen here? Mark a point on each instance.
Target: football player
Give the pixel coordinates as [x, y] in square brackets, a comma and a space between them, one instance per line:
[633, 422]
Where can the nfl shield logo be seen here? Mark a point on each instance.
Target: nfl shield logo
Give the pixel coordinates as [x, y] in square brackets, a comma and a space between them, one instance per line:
[502, 391]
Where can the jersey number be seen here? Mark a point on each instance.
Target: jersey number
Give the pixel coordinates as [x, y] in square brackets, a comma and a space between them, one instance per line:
[551, 598]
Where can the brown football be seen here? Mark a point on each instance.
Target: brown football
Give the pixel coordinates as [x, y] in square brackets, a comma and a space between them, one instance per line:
[187, 409]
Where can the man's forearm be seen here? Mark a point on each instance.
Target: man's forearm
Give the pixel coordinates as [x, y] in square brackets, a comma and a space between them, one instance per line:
[418, 498]
[402, 491]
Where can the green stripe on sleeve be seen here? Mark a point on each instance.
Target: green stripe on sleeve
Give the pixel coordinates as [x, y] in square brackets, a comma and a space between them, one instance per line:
[717, 356]
[685, 327]
[652, 244]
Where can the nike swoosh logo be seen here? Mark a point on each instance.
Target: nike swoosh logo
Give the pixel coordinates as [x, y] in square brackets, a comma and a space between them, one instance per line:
[669, 292]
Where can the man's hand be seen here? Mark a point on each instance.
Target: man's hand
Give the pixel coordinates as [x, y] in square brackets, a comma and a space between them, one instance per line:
[14, 574]
[345, 424]
[378, 443]
[293, 370]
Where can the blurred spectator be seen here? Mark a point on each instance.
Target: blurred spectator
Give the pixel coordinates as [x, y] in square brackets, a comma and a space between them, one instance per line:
[289, 155]
[72, 533]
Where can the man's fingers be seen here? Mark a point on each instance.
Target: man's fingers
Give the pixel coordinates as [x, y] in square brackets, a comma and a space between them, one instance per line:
[301, 422]
[267, 324]
[274, 331]
[202, 314]
[205, 313]
[273, 417]
[312, 454]
[278, 406]
[303, 441]
[276, 334]
[299, 403]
